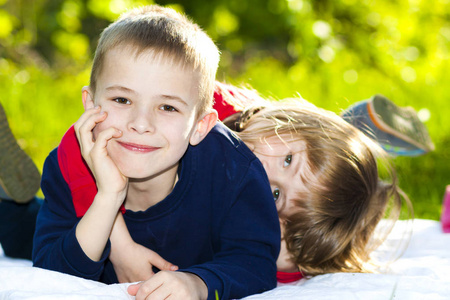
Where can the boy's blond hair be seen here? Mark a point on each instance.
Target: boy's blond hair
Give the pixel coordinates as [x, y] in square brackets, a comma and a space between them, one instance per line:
[167, 34]
[332, 227]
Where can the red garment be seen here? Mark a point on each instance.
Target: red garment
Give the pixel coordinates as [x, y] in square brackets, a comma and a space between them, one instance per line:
[229, 99]
[76, 173]
[285, 277]
[224, 108]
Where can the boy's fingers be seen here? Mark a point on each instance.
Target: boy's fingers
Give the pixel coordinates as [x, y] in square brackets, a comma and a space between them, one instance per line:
[133, 289]
[155, 288]
[84, 129]
[161, 263]
[103, 138]
[85, 116]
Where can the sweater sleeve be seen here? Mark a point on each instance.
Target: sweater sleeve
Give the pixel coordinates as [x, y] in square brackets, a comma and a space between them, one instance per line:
[55, 244]
[245, 261]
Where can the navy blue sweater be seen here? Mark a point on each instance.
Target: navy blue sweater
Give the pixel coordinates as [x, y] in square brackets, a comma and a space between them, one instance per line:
[219, 222]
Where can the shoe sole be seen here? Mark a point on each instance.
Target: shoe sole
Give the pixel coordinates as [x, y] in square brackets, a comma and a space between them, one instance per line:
[19, 177]
[401, 122]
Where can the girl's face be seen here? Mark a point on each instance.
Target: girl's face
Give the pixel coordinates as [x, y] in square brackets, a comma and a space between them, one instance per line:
[285, 162]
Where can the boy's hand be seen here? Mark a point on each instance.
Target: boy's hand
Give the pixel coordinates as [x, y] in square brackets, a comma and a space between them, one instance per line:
[176, 285]
[134, 262]
[107, 175]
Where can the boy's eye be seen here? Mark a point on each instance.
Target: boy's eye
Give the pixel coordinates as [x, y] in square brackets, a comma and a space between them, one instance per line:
[122, 100]
[168, 108]
[276, 194]
[287, 160]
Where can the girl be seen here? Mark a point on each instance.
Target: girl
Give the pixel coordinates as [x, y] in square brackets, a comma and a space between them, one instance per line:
[325, 181]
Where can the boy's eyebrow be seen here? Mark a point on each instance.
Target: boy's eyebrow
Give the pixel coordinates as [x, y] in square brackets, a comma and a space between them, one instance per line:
[127, 90]
[121, 88]
[176, 98]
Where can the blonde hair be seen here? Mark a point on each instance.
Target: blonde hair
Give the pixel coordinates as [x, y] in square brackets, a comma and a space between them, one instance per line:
[332, 228]
[168, 34]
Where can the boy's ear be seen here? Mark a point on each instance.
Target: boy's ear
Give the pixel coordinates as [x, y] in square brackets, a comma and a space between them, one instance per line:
[86, 96]
[203, 127]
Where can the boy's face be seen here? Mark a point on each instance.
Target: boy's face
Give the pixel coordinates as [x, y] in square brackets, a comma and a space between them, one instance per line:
[154, 104]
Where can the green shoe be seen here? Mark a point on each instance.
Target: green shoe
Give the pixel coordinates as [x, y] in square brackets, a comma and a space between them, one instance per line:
[19, 176]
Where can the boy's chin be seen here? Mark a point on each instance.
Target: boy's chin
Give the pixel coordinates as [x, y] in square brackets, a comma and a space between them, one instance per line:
[135, 174]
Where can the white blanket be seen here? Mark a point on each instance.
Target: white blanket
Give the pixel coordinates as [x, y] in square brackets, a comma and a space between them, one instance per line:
[423, 272]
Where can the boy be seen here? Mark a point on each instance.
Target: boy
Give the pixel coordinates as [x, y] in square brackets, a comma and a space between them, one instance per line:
[187, 187]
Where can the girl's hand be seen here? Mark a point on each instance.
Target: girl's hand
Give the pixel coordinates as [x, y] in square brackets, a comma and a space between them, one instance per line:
[107, 175]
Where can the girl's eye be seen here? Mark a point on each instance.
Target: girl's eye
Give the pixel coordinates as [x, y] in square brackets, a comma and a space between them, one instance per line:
[287, 160]
[168, 108]
[276, 194]
[122, 100]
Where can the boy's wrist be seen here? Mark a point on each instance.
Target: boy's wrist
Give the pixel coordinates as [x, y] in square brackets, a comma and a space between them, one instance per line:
[201, 287]
[109, 200]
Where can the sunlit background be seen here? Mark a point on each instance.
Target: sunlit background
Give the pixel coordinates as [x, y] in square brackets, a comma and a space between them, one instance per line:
[332, 52]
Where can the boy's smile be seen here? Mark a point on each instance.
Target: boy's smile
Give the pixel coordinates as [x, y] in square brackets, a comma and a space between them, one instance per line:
[138, 148]
[153, 101]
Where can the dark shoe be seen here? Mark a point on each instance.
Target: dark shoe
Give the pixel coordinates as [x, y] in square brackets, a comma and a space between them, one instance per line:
[398, 130]
[19, 177]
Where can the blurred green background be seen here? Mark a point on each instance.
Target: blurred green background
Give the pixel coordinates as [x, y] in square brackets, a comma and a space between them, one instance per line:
[332, 52]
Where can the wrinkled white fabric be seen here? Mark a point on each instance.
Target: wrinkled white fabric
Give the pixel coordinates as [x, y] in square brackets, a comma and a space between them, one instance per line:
[422, 272]
[25, 282]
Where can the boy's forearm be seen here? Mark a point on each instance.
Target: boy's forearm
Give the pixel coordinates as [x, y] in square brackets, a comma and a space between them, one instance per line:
[94, 229]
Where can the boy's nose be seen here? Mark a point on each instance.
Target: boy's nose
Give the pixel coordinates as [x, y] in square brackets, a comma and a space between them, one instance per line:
[142, 123]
